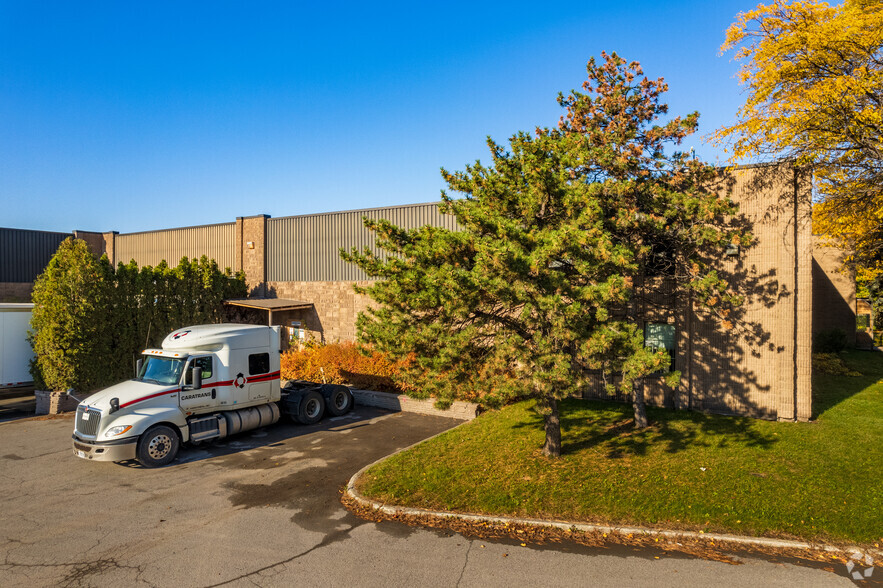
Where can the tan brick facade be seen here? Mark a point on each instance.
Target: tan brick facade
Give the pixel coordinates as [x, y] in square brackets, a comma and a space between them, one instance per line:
[251, 252]
[335, 307]
[834, 303]
[762, 366]
[109, 245]
[95, 241]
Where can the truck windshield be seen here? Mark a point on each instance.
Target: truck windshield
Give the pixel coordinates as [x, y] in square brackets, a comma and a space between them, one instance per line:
[161, 370]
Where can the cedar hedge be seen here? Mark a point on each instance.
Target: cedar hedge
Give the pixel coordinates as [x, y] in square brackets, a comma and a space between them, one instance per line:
[90, 321]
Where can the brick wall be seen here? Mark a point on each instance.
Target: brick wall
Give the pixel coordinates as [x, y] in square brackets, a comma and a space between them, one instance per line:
[834, 304]
[16, 291]
[95, 241]
[251, 252]
[335, 307]
[109, 239]
[762, 366]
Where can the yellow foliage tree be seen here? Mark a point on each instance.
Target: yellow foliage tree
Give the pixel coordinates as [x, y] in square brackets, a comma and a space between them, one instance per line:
[861, 231]
[814, 79]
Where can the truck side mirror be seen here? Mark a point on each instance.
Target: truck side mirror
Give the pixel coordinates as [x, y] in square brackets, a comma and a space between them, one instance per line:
[114, 405]
[138, 365]
[197, 377]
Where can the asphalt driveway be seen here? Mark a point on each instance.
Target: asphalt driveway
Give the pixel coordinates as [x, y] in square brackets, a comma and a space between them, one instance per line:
[263, 508]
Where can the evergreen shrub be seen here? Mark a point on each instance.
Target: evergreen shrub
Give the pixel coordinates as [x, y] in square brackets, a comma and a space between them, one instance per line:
[90, 321]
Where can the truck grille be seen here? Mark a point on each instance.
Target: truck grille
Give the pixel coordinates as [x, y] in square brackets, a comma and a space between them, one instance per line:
[87, 421]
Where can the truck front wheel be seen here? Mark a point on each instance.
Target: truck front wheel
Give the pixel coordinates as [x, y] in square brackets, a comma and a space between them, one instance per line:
[157, 447]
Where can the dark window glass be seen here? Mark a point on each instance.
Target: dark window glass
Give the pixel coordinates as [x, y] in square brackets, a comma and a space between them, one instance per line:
[203, 362]
[661, 259]
[259, 363]
[661, 336]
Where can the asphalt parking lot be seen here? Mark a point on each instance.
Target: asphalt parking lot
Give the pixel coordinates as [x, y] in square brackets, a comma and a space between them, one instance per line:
[263, 508]
[16, 403]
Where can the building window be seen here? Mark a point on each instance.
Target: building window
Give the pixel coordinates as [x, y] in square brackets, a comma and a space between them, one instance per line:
[661, 336]
[258, 363]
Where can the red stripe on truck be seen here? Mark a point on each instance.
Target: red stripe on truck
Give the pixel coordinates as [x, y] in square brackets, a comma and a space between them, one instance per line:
[130, 403]
[264, 378]
[255, 379]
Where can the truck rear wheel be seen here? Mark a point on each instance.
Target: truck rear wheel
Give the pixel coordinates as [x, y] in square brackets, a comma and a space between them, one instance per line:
[338, 399]
[157, 447]
[311, 408]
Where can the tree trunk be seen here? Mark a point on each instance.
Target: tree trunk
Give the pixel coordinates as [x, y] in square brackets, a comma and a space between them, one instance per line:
[638, 388]
[552, 424]
[638, 403]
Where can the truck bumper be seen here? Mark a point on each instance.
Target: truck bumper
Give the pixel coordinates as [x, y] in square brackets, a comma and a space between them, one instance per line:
[120, 451]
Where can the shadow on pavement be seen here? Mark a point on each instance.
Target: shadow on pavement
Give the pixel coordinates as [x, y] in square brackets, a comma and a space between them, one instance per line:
[271, 436]
[16, 403]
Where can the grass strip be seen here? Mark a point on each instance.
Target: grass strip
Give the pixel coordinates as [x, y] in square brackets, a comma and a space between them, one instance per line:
[818, 481]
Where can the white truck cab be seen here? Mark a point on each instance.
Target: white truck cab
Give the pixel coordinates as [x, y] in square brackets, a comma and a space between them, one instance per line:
[207, 382]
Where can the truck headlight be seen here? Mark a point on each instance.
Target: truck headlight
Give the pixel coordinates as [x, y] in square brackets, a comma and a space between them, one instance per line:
[116, 431]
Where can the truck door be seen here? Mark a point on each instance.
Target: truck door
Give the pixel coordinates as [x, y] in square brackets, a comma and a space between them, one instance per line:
[194, 400]
[258, 374]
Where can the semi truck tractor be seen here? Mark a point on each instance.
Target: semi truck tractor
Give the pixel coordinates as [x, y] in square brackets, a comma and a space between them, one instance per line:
[206, 382]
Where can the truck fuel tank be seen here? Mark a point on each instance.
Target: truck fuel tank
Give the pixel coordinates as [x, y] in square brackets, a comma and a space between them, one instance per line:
[235, 421]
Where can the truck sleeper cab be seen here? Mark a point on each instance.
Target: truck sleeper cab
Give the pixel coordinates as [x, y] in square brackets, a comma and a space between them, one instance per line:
[207, 382]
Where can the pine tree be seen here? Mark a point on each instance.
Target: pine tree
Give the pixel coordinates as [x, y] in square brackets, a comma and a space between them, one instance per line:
[536, 292]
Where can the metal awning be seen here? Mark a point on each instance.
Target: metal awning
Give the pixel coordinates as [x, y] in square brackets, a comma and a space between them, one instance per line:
[270, 305]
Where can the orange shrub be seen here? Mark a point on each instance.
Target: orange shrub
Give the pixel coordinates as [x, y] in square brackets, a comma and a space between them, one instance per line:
[344, 363]
[347, 363]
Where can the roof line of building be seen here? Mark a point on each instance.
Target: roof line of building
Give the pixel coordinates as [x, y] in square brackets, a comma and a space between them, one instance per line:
[205, 226]
[355, 210]
[437, 202]
[68, 233]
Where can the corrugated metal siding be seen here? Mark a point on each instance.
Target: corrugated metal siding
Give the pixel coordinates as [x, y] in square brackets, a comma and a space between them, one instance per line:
[24, 254]
[306, 248]
[218, 242]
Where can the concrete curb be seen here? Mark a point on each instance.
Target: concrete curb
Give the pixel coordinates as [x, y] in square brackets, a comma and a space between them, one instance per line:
[762, 542]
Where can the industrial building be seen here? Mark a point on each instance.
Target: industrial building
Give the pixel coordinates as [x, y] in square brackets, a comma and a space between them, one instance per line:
[793, 287]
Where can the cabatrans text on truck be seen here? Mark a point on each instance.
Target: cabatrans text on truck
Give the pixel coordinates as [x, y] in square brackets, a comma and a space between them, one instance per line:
[207, 382]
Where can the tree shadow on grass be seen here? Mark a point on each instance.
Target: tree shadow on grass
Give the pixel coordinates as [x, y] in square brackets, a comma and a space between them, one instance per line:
[609, 427]
[830, 390]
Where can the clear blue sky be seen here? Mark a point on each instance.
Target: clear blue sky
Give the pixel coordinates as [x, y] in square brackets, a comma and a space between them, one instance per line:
[132, 116]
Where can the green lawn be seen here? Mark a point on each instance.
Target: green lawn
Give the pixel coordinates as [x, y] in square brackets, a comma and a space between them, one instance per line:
[818, 481]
